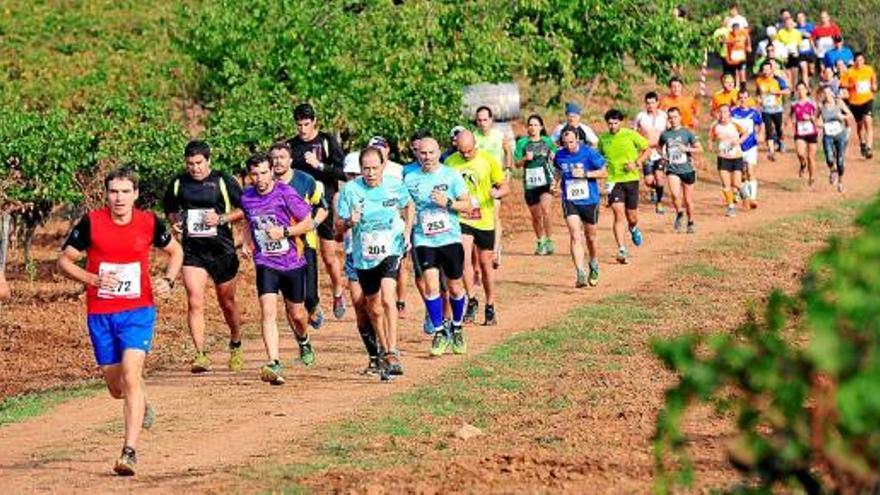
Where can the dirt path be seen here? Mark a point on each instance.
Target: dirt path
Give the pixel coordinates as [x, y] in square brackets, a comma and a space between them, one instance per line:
[211, 425]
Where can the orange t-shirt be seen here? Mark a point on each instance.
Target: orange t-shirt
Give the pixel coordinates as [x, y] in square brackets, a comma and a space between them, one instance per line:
[686, 104]
[860, 84]
[722, 97]
[737, 46]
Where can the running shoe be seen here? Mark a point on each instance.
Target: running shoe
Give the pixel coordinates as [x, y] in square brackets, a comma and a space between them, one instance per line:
[679, 222]
[659, 209]
[339, 307]
[439, 344]
[593, 280]
[731, 211]
[125, 464]
[691, 228]
[306, 353]
[149, 417]
[580, 278]
[428, 325]
[549, 246]
[781, 146]
[271, 373]
[869, 153]
[636, 236]
[491, 320]
[401, 310]
[471, 313]
[771, 157]
[621, 256]
[862, 149]
[373, 368]
[539, 248]
[832, 177]
[459, 344]
[840, 187]
[392, 364]
[200, 363]
[236, 359]
[316, 319]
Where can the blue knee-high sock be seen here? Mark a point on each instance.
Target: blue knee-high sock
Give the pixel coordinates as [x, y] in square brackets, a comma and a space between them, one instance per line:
[458, 306]
[435, 311]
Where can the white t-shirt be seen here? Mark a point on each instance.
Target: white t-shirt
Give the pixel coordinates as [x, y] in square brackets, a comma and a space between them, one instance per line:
[781, 49]
[737, 19]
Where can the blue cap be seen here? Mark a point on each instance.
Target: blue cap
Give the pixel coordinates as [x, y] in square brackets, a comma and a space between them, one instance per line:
[572, 108]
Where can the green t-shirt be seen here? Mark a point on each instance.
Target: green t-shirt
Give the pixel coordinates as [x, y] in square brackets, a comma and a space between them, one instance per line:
[538, 172]
[619, 150]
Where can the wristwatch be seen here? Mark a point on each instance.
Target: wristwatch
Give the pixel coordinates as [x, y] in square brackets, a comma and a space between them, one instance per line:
[286, 231]
[449, 203]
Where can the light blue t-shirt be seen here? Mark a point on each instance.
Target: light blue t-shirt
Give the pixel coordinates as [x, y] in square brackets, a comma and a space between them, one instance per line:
[434, 225]
[579, 191]
[379, 234]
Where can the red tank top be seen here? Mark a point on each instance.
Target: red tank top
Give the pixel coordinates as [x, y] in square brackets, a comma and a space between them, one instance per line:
[124, 249]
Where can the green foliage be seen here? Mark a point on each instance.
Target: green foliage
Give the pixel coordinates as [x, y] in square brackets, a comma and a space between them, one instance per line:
[806, 415]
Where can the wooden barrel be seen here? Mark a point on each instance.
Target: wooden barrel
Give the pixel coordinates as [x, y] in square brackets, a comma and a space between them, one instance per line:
[502, 98]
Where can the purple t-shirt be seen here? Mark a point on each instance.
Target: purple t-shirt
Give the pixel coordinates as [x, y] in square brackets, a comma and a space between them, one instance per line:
[282, 206]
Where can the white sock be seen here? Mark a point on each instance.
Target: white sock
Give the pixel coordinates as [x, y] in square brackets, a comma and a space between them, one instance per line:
[754, 184]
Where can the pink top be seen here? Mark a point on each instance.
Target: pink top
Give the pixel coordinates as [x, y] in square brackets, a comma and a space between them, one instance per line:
[804, 117]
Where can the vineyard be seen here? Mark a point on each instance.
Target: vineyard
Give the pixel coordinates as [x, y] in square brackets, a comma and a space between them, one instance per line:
[87, 86]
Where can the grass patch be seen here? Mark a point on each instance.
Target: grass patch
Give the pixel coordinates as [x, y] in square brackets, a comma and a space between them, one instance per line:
[19, 408]
[702, 269]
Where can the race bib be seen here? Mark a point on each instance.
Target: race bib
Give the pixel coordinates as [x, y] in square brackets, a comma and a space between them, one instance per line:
[269, 246]
[805, 46]
[832, 128]
[677, 156]
[726, 150]
[737, 55]
[805, 128]
[535, 177]
[863, 87]
[195, 224]
[824, 44]
[475, 213]
[128, 280]
[435, 222]
[376, 245]
[577, 189]
[769, 100]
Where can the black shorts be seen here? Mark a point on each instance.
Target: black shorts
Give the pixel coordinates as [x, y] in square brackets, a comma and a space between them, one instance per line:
[312, 297]
[813, 139]
[588, 214]
[327, 229]
[449, 259]
[652, 166]
[533, 196]
[221, 268]
[688, 178]
[793, 62]
[291, 283]
[483, 239]
[732, 68]
[861, 111]
[730, 164]
[626, 193]
[371, 279]
[809, 58]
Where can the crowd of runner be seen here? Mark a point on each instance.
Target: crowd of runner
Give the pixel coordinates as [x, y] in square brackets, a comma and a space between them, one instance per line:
[437, 218]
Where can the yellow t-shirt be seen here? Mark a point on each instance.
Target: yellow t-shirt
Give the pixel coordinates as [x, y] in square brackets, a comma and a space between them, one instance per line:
[492, 142]
[722, 97]
[479, 174]
[791, 38]
[859, 83]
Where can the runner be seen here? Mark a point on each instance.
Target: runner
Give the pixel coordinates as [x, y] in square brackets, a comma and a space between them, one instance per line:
[312, 191]
[771, 48]
[116, 241]
[440, 196]
[806, 52]
[776, 62]
[625, 152]
[277, 218]
[202, 204]
[492, 140]
[573, 113]
[738, 46]
[486, 182]
[771, 90]
[677, 146]
[790, 36]
[687, 105]
[453, 145]
[840, 53]
[650, 123]
[734, 17]
[319, 155]
[861, 84]
[727, 95]
[835, 117]
[823, 37]
[371, 207]
[750, 120]
[534, 153]
[728, 138]
[804, 117]
[579, 166]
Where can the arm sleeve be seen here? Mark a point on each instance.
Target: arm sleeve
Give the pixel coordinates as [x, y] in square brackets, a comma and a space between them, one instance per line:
[343, 208]
[80, 237]
[597, 161]
[496, 171]
[457, 187]
[550, 144]
[520, 149]
[640, 141]
[320, 197]
[592, 138]
[169, 201]
[234, 190]
[161, 235]
[299, 209]
[334, 160]
[402, 194]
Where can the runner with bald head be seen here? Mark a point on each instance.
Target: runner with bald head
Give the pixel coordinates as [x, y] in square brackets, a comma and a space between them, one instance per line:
[485, 180]
[439, 195]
